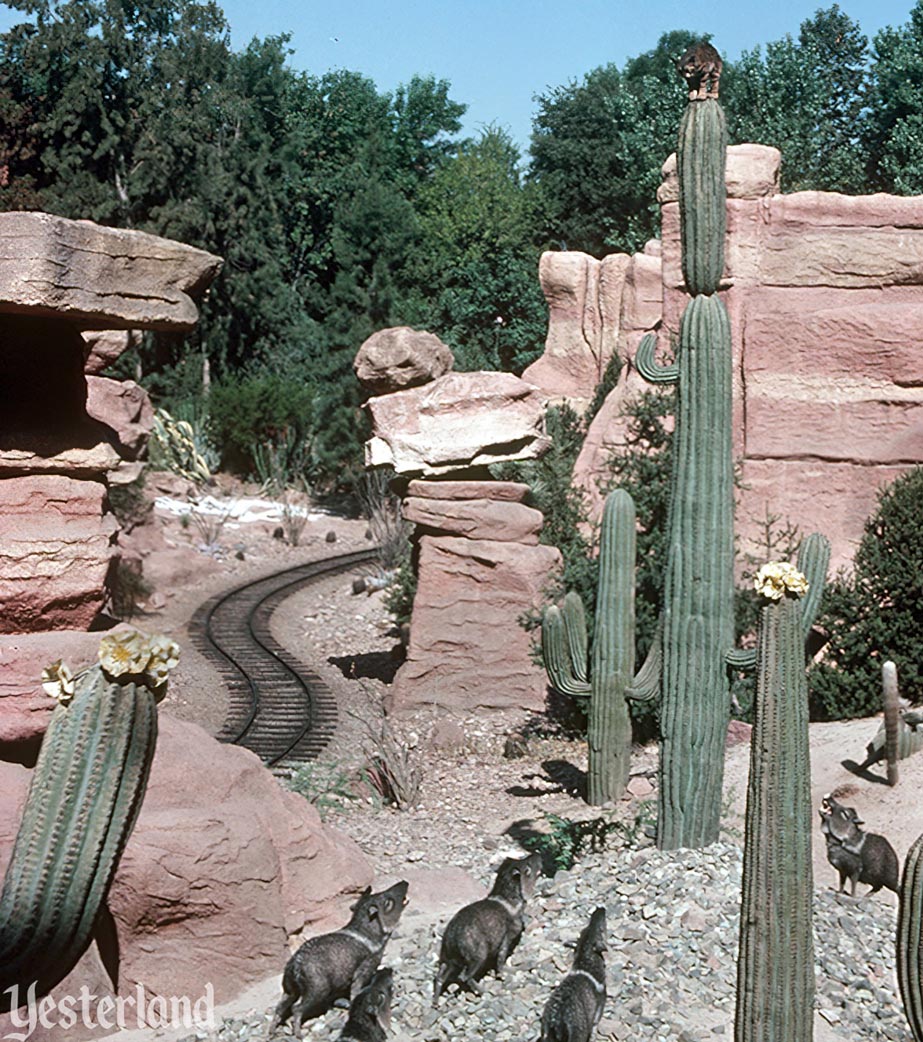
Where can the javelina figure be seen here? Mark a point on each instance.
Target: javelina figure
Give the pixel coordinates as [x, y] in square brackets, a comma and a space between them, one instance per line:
[860, 857]
[576, 1004]
[481, 935]
[339, 965]
[370, 1011]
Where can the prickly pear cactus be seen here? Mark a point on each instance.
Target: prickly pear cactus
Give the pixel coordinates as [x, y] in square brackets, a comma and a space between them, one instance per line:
[698, 614]
[910, 938]
[611, 667]
[85, 795]
[775, 970]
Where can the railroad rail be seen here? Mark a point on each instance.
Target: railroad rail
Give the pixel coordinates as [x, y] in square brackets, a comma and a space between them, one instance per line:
[278, 707]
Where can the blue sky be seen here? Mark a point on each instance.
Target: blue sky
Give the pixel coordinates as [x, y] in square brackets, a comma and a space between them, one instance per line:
[497, 54]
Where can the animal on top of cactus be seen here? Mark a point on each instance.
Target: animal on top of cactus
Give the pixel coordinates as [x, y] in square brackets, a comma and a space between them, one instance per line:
[697, 631]
[85, 795]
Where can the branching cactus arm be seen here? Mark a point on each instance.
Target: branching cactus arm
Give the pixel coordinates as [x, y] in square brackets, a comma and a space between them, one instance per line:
[557, 652]
[648, 366]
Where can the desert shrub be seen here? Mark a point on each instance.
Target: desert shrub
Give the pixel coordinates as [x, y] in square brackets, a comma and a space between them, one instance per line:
[248, 413]
[874, 613]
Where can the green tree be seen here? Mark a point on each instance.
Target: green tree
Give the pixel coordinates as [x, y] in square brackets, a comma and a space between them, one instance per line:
[475, 266]
[873, 614]
[893, 130]
[806, 97]
[598, 146]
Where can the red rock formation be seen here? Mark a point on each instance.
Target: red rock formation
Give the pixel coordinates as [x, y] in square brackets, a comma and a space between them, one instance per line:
[223, 871]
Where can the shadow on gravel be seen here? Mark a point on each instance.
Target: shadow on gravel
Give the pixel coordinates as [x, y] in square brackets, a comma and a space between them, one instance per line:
[562, 775]
[863, 772]
[369, 665]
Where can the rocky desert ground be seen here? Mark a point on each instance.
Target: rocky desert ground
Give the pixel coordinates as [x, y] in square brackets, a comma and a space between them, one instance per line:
[672, 917]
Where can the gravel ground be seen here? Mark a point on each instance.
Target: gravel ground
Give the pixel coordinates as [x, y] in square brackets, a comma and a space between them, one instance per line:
[672, 922]
[672, 917]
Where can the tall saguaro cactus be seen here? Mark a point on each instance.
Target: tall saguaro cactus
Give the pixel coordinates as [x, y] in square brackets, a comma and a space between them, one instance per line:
[775, 970]
[83, 801]
[612, 662]
[698, 613]
[910, 938]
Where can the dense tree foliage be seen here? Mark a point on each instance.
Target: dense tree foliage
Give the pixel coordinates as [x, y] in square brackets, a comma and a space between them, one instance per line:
[340, 208]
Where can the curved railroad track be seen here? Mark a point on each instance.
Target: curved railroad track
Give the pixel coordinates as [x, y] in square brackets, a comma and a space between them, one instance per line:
[277, 707]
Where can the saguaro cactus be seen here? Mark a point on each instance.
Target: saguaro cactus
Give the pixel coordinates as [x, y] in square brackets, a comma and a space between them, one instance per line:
[85, 795]
[775, 970]
[910, 938]
[698, 619]
[612, 663]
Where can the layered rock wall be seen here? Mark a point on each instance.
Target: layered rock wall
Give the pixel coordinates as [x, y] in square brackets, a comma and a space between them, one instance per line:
[65, 429]
[825, 295]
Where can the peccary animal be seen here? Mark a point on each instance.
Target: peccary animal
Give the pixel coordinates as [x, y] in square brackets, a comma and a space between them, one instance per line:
[701, 68]
[576, 1004]
[370, 1011]
[481, 935]
[339, 965]
[860, 857]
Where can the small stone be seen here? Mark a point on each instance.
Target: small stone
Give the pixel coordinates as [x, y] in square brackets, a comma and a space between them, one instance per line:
[330, 537]
[694, 919]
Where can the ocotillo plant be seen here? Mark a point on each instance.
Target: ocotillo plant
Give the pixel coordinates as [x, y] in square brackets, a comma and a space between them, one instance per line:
[698, 620]
[910, 938]
[775, 969]
[85, 795]
[604, 677]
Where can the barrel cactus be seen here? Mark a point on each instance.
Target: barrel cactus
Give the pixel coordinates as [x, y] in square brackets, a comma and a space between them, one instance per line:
[600, 680]
[698, 620]
[83, 801]
[775, 970]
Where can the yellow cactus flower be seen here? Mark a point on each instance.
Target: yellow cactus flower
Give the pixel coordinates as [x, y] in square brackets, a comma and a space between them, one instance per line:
[124, 653]
[164, 656]
[58, 682]
[778, 578]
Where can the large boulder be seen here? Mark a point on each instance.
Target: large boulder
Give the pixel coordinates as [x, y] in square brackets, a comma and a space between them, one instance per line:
[125, 408]
[458, 421]
[56, 542]
[476, 518]
[98, 277]
[467, 647]
[400, 357]
[103, 347]
[224, 870]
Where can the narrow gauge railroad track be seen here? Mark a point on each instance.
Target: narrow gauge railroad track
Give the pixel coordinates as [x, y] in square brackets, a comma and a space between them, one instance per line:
[277, 707]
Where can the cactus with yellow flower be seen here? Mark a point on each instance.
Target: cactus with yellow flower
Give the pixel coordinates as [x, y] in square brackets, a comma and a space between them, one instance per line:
[86, 791]
[775, 970]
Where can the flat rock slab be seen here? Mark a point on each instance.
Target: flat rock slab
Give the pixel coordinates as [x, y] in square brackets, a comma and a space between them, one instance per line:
[99, 278]
[506, 491]
[458, 421]
[477, 518]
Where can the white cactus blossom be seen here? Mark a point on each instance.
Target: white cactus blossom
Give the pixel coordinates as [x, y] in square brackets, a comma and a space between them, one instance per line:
[58, 681]
[778, 578]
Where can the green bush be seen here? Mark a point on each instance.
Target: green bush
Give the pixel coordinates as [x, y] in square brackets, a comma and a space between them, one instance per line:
[874, 613]
[249, 412]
